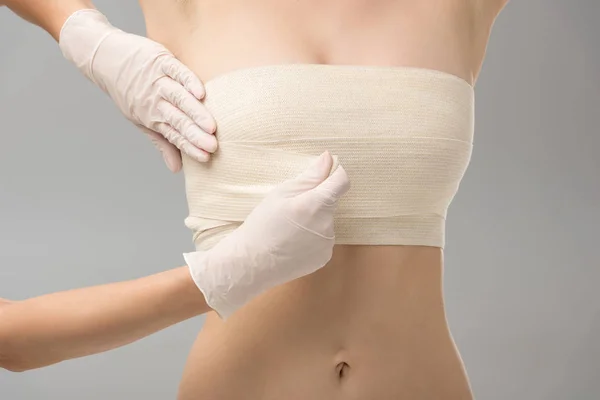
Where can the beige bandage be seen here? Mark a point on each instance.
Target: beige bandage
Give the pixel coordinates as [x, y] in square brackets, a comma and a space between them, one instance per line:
[404, 136]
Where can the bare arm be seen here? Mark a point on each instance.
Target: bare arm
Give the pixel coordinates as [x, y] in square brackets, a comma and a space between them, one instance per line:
[50, 15]
[49, 329]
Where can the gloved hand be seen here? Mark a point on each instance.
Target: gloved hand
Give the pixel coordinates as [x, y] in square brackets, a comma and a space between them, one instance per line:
[150, 86]
[288, 235]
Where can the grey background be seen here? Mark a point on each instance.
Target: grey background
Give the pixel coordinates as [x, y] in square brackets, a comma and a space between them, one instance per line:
[85, 199]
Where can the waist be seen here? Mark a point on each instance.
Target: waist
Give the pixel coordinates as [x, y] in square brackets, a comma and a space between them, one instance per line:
[396, 287]
[366, 284]
[366, 295]
[375, 311]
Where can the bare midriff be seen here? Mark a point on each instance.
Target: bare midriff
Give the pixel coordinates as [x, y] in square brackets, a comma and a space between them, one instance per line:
[371, 324]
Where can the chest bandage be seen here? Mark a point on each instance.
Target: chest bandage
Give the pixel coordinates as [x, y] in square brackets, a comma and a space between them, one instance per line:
[403, 135]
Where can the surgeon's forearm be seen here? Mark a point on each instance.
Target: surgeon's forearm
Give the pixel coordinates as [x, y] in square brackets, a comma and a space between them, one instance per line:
[50, 15]
[52, 328]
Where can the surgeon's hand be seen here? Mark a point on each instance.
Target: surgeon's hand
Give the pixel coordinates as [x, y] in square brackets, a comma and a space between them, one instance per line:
[288, 235]
[150, 86]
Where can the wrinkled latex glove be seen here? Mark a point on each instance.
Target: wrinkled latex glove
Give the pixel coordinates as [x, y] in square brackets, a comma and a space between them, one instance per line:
[288, 235]
[149, 85]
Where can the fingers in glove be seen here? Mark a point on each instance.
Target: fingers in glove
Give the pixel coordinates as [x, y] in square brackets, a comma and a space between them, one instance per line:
[173, 136]
[333, 188]
[310, 178]
[172, 91]
[177, 71]
[186, 127]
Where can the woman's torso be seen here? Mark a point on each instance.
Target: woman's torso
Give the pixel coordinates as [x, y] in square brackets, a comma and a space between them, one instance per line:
[371, 324]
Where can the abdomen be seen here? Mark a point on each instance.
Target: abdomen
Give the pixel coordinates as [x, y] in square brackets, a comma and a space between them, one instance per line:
[369, 325]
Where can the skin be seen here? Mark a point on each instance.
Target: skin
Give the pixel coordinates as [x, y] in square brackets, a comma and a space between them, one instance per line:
[372, 323]
[47, 14]
[56, 327]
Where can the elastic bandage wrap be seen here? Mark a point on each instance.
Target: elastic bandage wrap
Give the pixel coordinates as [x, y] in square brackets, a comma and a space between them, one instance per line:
[403, 135]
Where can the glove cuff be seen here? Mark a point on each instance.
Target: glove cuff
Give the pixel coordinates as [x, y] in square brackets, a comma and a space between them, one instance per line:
[81, 36]
[203, 275]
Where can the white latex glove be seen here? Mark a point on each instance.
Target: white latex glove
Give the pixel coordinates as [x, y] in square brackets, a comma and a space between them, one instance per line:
[288, 235]
[150, 86]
